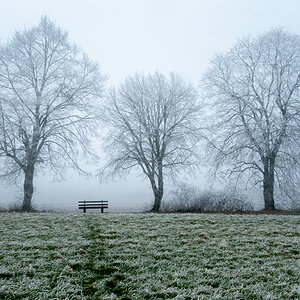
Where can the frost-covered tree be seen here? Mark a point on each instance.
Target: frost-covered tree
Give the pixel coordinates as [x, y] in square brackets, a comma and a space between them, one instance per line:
[48, 93]
[153, 126]
[255, 92]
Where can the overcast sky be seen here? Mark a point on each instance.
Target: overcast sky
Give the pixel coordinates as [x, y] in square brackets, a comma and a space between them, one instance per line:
[126, 36]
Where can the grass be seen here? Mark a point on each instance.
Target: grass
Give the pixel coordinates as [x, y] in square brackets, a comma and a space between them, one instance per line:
[149, 256]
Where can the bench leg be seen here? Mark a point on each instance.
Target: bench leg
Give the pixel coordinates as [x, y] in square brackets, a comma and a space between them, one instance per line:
[84, 210]
[102, 210]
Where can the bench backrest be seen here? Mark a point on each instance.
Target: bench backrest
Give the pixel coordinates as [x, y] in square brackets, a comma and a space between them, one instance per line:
[92, 204]
[88, 203]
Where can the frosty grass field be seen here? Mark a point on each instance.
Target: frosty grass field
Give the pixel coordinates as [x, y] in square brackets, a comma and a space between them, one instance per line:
[147, 256]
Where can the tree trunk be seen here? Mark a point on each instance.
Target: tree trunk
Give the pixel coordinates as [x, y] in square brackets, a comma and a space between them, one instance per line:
[28, 188]
[158, 195]
[158, 192]
[269, 184]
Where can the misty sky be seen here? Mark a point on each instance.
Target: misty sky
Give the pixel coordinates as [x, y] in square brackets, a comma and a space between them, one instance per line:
[127, 36]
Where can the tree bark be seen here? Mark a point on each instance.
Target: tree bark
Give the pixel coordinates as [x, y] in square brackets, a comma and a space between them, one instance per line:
[268, 186]
[28, 188]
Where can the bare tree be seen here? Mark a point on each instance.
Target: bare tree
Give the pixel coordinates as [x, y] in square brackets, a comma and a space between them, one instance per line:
[48, 94]
[153, 127]
[255, 96]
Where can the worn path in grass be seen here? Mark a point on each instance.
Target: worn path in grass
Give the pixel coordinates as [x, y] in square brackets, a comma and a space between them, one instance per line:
[145, 256]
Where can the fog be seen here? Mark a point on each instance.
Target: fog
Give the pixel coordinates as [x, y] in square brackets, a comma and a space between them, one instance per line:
[139, 36]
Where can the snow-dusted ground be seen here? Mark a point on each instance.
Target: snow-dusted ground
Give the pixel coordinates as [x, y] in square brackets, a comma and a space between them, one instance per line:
[145, 256]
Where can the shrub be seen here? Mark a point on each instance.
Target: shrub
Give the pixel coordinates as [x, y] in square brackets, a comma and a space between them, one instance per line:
[188, 198]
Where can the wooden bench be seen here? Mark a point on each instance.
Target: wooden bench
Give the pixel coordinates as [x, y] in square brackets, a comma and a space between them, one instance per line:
[93, 204]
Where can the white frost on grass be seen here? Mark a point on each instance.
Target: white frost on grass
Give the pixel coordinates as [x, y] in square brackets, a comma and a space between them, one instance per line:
[147, 256]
